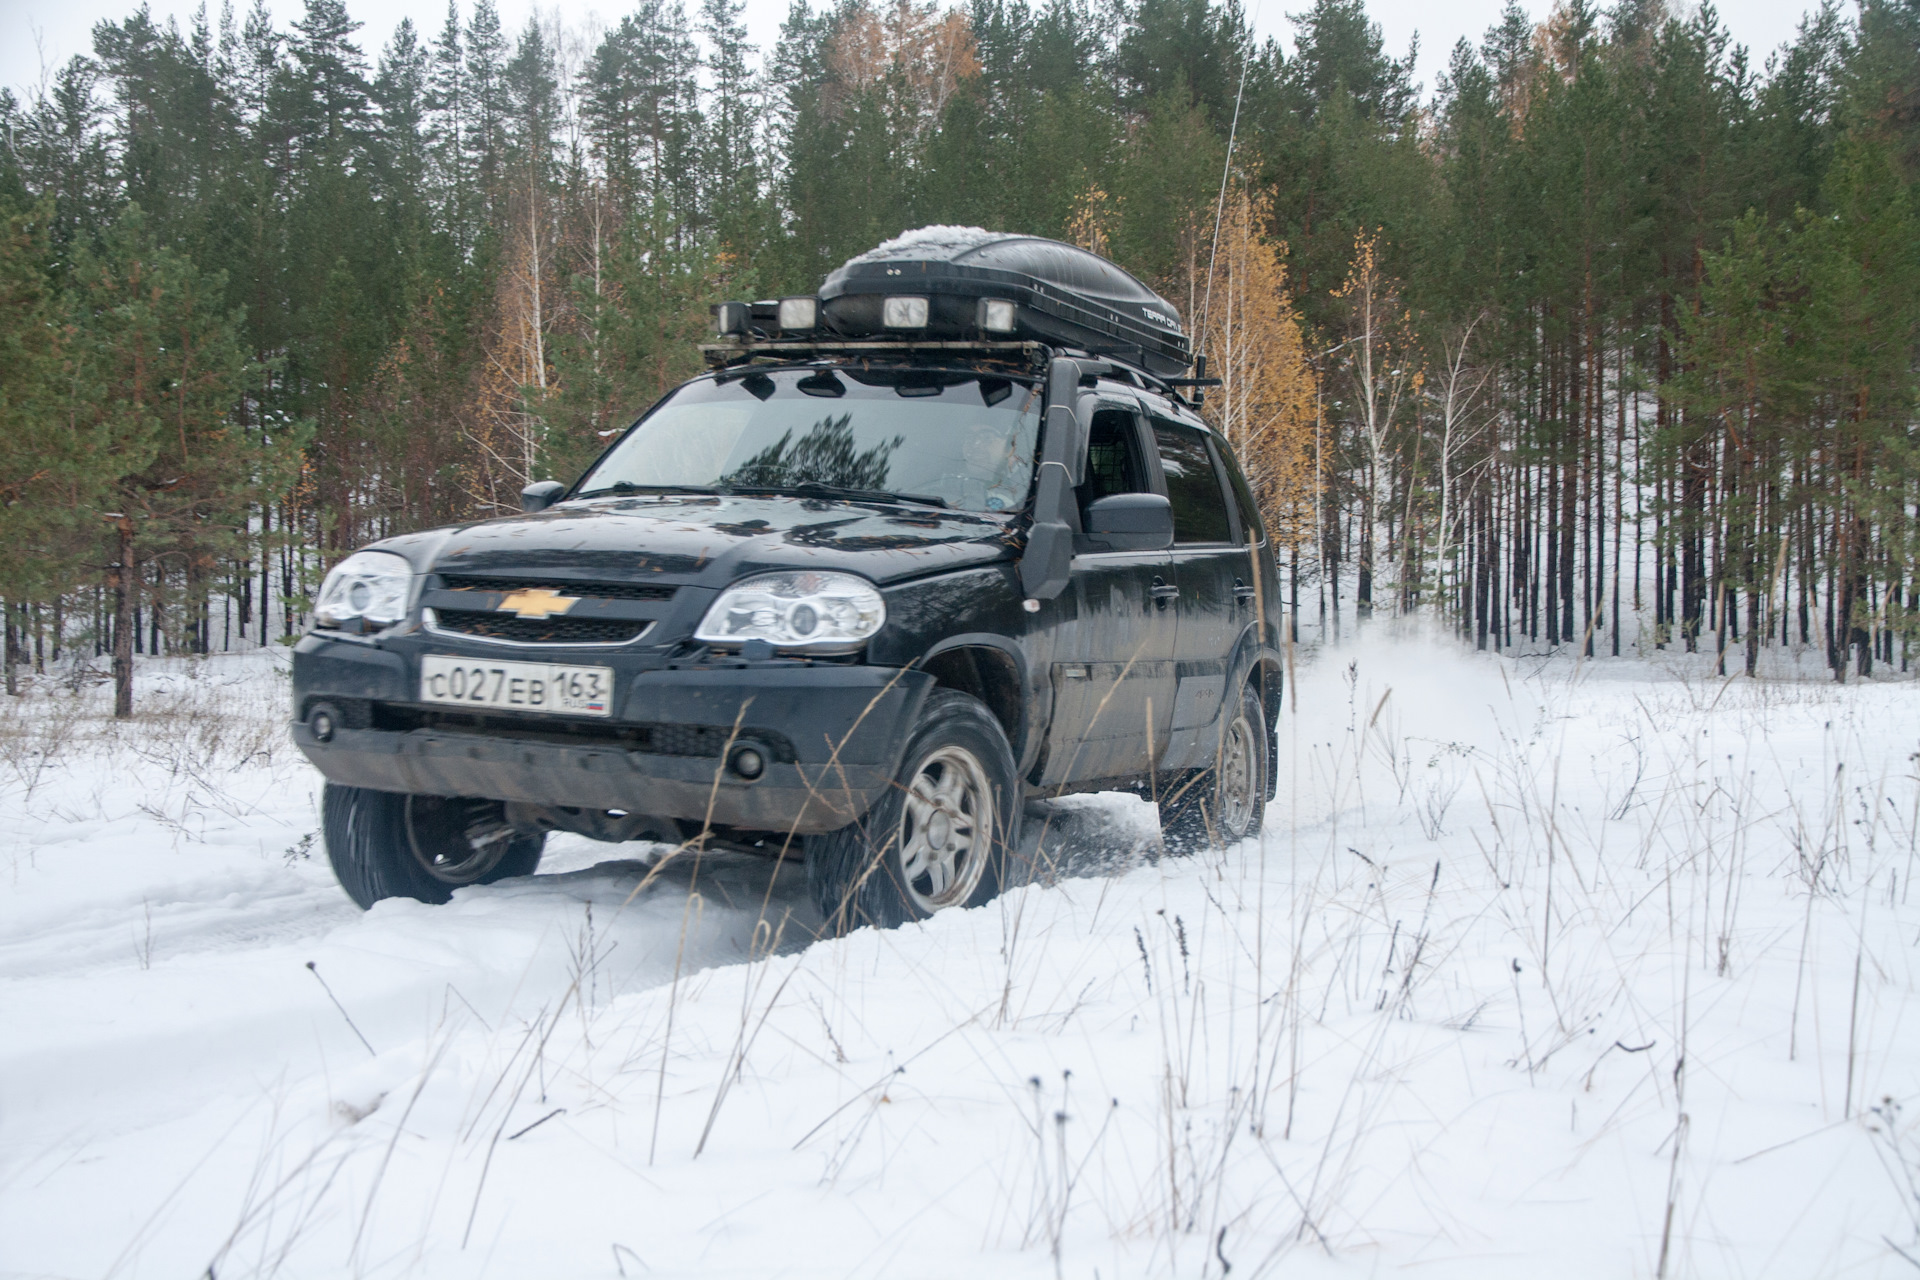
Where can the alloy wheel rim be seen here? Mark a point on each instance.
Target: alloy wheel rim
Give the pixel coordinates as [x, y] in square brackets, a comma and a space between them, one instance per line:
[946, 829]
[1237, 778]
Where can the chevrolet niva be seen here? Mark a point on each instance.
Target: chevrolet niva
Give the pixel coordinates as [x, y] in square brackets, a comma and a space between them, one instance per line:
[942, 539]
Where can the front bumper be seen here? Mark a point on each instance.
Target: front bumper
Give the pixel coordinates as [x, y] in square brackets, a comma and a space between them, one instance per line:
[832, 736]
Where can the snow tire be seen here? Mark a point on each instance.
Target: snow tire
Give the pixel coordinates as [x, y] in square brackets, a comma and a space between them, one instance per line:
[1227, 801]
[384, 845]
[940, 835]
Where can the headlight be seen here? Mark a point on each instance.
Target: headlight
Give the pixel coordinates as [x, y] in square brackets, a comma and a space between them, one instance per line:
[369, 587]
[817, 611]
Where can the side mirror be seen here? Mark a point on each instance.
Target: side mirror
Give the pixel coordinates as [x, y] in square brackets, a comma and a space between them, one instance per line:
[1131, 521]
[540, 496]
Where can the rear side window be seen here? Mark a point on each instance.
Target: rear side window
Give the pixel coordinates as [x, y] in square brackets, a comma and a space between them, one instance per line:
[1251, 530]
[1193, 486]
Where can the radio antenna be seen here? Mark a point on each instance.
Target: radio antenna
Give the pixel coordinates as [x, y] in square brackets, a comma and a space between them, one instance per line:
[1220, 204]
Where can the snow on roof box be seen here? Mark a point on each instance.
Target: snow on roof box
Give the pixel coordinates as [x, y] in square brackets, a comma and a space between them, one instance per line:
[1060, 294]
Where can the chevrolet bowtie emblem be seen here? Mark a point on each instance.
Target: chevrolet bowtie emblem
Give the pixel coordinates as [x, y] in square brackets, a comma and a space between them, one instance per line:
[537, 602]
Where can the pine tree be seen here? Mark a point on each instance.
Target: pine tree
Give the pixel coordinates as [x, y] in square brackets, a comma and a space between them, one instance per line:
[57, 151]
[163, 365]
[449, 107]
[328, 102]
[400, 92]
[1184, 47]
[730, 166]
[486, 89]
[49, 474]
[1589, 227]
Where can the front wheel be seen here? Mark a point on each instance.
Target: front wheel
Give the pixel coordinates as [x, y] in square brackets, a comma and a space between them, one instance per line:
[1226, 802]
[939, 835]
[384, 845]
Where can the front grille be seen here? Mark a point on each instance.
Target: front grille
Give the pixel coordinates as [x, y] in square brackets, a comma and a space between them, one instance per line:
[561, 630]
[598, 590]
[704, 740]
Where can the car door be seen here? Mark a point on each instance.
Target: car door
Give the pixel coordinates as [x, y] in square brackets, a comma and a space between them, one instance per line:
[1112, 671]
[1210, 569]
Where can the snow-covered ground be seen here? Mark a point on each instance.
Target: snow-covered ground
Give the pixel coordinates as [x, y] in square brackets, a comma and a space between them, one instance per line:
[1539, 966]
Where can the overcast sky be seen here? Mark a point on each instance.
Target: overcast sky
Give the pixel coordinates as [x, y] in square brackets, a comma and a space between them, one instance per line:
[42, 34]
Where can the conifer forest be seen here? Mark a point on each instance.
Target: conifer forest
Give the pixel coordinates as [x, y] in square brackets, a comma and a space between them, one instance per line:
[1606, 340]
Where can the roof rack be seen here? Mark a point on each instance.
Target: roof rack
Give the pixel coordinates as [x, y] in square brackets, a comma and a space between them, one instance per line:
[739, 352]
[723, 355]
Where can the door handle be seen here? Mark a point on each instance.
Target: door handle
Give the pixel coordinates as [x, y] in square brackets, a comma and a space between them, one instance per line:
[1241, 591]
[1163, 592]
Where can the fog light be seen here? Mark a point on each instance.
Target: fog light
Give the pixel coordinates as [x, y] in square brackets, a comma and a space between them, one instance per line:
[749, 763]
[996, 315]
[904, 313]
[799, 313]
[321, 721]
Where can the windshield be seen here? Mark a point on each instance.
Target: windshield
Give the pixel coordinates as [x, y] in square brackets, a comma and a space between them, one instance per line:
[955, 438]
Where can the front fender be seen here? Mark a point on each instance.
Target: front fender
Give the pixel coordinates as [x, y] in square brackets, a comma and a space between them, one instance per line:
[977, 608]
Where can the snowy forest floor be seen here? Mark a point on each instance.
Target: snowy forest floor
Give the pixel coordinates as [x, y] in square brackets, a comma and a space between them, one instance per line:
[1537, 962]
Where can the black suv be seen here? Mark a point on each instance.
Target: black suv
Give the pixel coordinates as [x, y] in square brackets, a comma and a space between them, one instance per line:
[942, 539]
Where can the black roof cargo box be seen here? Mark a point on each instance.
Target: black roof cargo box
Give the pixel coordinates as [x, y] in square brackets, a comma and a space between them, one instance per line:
[1060, 295]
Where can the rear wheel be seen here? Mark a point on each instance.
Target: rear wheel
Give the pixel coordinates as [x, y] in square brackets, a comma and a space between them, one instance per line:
[937, 838]
[1227, 801]
[384, 845]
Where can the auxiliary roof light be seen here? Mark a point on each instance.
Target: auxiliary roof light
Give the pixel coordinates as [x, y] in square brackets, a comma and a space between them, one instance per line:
[996, 315]
[799, 313]
[732, 318]
[904, 313]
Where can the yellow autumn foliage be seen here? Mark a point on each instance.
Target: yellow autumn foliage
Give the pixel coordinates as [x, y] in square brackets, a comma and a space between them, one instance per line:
[1248, 328]
[917, 53]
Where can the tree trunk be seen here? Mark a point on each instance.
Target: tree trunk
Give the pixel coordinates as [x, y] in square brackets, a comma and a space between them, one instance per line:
[123, 580]
[13, 649]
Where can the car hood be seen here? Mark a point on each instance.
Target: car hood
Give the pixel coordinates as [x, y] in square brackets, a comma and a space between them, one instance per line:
[712, 540]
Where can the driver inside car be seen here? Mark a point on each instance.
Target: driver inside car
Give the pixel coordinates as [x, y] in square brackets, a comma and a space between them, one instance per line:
[985, 468]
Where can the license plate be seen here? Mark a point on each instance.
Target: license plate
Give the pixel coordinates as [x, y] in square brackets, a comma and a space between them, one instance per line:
[517, 686]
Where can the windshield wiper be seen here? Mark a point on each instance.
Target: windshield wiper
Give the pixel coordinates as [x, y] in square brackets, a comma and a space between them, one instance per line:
[816, 489]
[628, 486]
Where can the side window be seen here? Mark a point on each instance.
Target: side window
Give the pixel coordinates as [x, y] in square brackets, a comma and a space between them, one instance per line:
[1199, 505]
[1113, 457]
[1251, 530]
